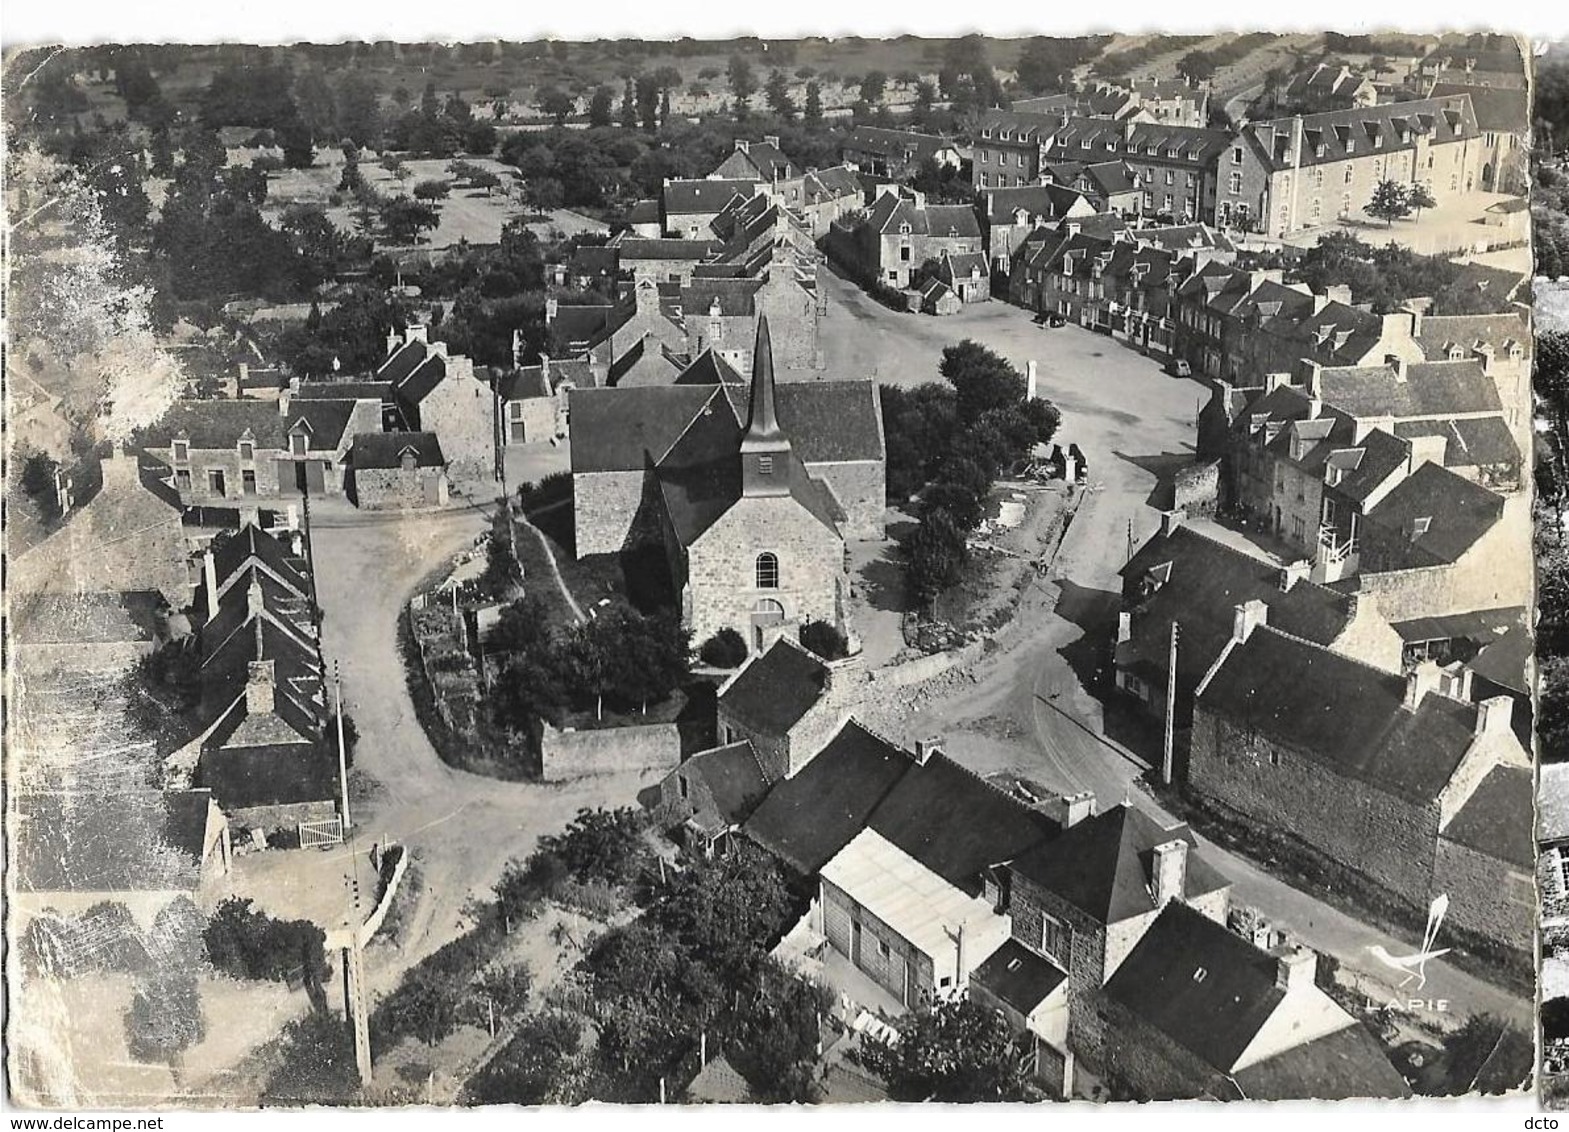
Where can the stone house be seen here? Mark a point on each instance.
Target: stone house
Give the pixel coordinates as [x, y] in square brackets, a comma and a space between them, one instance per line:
[531, 400]
[1174, 166]
[1172, 101]
[440, 393]
[1486, 857]
[1035, 272]
[787, 703]
[667, 260]
[397, 471]
[967, 275]
[1108, 185]
[1012, 214]
[828, 194]
[1369, 787]
[762, 161]
[688, 207]
[1288, 174]
[1198, 1011]
[896, 154]
[1183, 577]
[705, 800]
[223, 450]
[937, 298]
[127, 537]
[902, 232]
[1331, 86]
[319, 433]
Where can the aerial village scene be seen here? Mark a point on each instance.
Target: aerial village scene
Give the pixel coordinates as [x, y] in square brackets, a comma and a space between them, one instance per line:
[782, 571]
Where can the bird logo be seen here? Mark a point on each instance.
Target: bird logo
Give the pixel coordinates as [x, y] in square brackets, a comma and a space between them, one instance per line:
[1414, 966]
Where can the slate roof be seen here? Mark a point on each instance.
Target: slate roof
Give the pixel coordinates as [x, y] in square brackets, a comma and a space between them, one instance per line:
[730, 781]
[327, 421]
[696, 494]
[612, 429]
[232, 551]
[585, 322]
[217, 424]
[807, 819]
[1505, 110]
[1335, 135]
[1192, 145]
[1102, 864]
[775, 689]
[889, 211]
[1457, 514]
[1104, 178]
[1041, 201]
[955, 823]
[321, 389]
[736, 297]
[1496, 820]
[385, 449]
[1214, 1015]
[1345, 715]
[1381, 456]
[766, 158]
[1348, 1064]
[901, 144]
[831, 421]
[1439, 332]
[1471, 442]
[1204, 581]
[1430, 389]
[1018, 976]
[831, 184]
[683, 198]
[530, 382]
[709, 368]
[402, 362]
[131, 841]
[1507, 660]
[641, 248]
[644, 212]
[426, 376]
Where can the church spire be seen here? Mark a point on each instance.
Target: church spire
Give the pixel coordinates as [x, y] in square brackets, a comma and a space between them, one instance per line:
[765, 450]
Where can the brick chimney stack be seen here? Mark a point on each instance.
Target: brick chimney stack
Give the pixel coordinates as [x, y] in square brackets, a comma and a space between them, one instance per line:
[1419, 682]
[1247, 617]
[1070, 809]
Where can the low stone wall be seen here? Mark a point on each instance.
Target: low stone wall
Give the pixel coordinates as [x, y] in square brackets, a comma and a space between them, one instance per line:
[925, 667]
[565, 755]
[1196, 489]
[378, 915]
[270, 818]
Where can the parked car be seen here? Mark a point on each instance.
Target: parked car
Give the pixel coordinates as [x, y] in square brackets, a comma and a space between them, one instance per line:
[1178, 367]
[1058, 319]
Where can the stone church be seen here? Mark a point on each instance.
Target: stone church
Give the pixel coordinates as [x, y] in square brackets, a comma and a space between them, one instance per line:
[751, 503]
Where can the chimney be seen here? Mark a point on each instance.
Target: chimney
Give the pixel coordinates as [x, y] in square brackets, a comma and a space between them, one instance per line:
[742, 145]
[1456, 683]
[1493, 716]
[1030, 380]
[1070, 809]
[1315, 382]
[1415, 310]
[418, 332]
[1419, 682]
[544, 367]
[1292, 573]
[210, 581]
[394, 343]
[1247, 617]
[1170, 872]
[119, 468]
[259, 688]
[1398, 364]
[770, 139]
[926, 748]
[1074, 228]
[438, 349]
[517, 349]
[551, 307]
[1171, 520]
[1295, 968]
[255, 602]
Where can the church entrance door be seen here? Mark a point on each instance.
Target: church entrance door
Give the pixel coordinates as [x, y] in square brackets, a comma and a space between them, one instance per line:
[765, 614]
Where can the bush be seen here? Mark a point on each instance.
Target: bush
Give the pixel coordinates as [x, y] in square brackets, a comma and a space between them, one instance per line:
[247, 944]
[725, 649]
[825, 640]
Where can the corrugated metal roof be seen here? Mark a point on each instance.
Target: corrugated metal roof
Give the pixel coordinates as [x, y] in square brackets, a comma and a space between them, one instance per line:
[905, 895]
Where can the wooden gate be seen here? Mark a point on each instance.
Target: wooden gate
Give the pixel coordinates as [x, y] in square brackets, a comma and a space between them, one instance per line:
[316, 834]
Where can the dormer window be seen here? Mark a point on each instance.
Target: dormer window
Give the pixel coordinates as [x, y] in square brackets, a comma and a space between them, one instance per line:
[904, 228]
[297, 443]
[182, 451]
[247, 451]
[408, 459]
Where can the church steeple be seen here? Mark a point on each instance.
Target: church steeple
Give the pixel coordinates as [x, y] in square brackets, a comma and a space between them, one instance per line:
[765, 450]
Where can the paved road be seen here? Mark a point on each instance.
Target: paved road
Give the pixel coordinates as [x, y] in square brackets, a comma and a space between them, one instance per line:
[463, 828]
[1028, 712]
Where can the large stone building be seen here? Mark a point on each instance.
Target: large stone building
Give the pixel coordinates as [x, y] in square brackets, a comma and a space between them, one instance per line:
[902, 231]
[440, 393]
[1288, 174]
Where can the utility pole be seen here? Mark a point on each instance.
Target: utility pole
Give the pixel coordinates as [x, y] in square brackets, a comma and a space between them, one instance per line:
[343, 757]
[1129, 557]
[1171, 708]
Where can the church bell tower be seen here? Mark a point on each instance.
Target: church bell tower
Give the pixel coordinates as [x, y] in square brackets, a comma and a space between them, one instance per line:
[765, 450]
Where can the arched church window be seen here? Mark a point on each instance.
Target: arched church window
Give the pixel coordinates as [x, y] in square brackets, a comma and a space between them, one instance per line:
[767, 571]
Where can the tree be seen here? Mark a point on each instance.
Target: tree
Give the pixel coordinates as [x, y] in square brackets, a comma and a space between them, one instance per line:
[824, 639]
[1196, 66]
[432, 190]
[778, 94]
[479, 138]
[647, 93]
[814, 103]
[873, 85]
[165, 1018]
[1390, 202]
[743, 84]
[953, 1051]
[925, 95]
[936, 555]
[555, 102]
[982, 379]
[629, 105]
[38, 484]
[1418, 197]
[600, 107]
[403, 219]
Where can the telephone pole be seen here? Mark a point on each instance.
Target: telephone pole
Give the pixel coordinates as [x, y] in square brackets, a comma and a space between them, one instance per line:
[1171, 708]
[343, 757]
